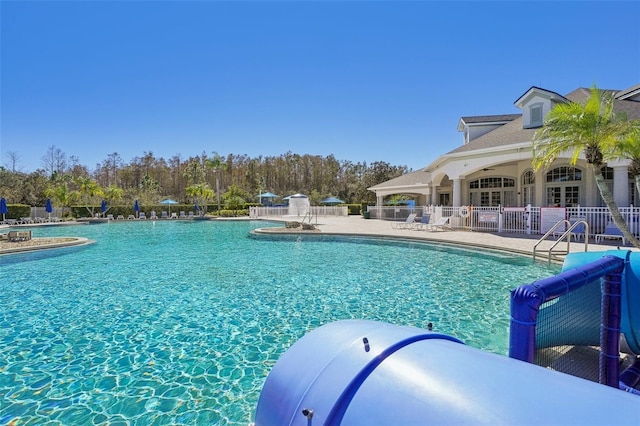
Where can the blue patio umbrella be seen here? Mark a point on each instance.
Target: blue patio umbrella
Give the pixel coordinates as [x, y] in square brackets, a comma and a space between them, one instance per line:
[169, 202]
[136, 207]
[332, 200]
[103, 206]
[48, 207]
[3, 207]
[266, 195]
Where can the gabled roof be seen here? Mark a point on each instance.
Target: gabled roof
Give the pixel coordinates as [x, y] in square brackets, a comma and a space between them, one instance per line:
[508, 134]
[486, 119]
[512, 132]
[419, 177]
[628, 107]
[628, 94]
[539, 91]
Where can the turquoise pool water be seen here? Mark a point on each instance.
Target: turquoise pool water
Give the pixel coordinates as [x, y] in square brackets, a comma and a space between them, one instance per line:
[179, 322]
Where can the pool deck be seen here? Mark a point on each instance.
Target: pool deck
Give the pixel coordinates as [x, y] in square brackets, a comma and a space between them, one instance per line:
[356, 225]
[514, 243]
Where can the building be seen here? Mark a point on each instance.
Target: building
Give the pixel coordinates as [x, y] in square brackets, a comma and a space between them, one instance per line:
[493, 165]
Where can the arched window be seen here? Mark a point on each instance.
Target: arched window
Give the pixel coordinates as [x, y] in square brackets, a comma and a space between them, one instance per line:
[528, 188]
[563, 187]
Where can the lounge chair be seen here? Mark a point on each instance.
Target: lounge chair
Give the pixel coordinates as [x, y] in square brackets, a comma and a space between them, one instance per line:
[174, 215]
[182, 215]
[424, 220]
[164, 215]
[153, 215]
[438, 225]
[190, 215]
[110, 217]
[577, 233]
[131, 217]
[611, 232]
[143, 216]
[120, 217]
[407, 223]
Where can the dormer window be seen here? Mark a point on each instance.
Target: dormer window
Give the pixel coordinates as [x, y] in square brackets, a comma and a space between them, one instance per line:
[535, 114]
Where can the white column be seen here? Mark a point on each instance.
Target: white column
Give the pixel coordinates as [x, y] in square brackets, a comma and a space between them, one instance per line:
[379, 200]
[434, 195]
[621, 185]
[457, 193]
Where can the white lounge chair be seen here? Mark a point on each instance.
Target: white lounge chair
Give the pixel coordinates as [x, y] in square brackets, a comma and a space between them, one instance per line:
[438, 225]
[611, 232]
[143, 216]
[110, 217]
[120, 217]
[407, 223]
[182, 215]
[191, 215]
[174, 215]
[153, 215]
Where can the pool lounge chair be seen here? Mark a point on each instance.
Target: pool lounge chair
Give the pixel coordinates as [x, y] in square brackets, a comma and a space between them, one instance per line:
[191, 215]
[182, 215]
[424, 221]
[407, 223]
[577, 233]
[143, 216]
[611, 232]
[120, 217]
[110, 217]
[164, 215]
[438, 225]
[174, 215]
[153, 215]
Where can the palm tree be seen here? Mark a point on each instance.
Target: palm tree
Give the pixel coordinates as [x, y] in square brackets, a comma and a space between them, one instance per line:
[591, 129]
[217, 165]
[199, 192]
[88, 189]
[61, 194]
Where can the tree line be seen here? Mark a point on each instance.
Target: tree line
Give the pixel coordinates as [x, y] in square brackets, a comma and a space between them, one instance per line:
[231, 180]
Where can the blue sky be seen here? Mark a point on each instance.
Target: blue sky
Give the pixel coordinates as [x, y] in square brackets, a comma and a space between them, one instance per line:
[364, 81]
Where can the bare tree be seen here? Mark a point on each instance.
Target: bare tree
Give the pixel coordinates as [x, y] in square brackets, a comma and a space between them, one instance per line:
[54, 161]
[12, 161]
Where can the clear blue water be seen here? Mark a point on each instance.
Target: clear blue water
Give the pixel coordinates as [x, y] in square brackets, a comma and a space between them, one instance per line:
[179, 322]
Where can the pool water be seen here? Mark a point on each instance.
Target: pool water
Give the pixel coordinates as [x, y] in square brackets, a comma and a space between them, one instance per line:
[179, 322]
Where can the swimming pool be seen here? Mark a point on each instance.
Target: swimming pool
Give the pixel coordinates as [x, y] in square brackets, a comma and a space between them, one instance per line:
[179, 322]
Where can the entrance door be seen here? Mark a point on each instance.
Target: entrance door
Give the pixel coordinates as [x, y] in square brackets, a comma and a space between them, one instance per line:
[563, 196]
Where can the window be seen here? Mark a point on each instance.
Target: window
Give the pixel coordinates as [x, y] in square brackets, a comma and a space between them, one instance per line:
[535, 115]
[564, 174]
[607, 174]
[489, 191]
[528, 191]
[563, 187]
[528, 178]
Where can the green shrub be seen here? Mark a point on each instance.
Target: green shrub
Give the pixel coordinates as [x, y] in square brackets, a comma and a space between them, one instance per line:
[233, 213]
[16, 211]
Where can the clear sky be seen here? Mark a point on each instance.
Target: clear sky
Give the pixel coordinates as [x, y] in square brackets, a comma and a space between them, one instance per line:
[364, 81]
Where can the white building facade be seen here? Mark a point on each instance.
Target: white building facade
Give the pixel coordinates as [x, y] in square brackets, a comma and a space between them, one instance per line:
[493, 165]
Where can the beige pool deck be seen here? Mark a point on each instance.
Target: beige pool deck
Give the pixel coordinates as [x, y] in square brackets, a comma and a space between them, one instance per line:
[514, 243]
[356, 225]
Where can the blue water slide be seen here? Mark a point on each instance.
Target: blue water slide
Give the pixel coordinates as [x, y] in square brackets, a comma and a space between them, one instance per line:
[358, 372]
[630, 320]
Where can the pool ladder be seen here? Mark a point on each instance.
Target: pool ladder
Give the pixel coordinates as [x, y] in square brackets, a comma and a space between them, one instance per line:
[566, 234]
